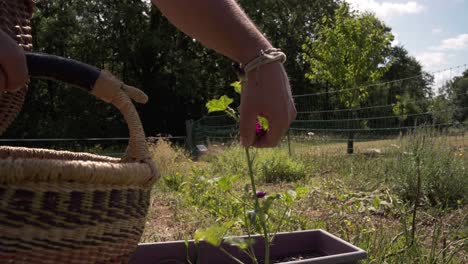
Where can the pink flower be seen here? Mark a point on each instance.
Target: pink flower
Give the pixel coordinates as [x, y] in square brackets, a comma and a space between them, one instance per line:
[261, 194]
[259, 131]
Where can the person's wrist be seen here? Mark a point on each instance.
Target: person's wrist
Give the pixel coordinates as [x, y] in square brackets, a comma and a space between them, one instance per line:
[266, 57]
[253, 52]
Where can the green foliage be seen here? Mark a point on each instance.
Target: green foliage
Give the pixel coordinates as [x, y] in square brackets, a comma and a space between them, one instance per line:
[138, 44]
[415, 82]
[242, 243]
[349, 51]
[456, 93]
[442, 109]
[174, 182]
[404, 106]
[213, 235]
[441, 168]
[263, 122]
[237, 87]
[354, 197]
[282, 168]
[219, 105]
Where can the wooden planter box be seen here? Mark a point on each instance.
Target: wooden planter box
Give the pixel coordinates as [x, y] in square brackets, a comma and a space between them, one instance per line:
[315, 246]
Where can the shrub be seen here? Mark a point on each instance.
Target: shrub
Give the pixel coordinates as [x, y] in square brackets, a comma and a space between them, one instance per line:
[280, 167]
[439, 166]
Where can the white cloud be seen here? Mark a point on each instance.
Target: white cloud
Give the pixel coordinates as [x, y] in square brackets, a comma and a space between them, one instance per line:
[387, 9]
[441, 78]
[396, 40]
[431, 59]
[459, 42]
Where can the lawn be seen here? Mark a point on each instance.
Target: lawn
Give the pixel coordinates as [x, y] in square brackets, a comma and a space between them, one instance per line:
[367, 198]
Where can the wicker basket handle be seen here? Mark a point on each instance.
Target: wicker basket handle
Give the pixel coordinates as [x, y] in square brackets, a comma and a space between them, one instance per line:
[103, 85]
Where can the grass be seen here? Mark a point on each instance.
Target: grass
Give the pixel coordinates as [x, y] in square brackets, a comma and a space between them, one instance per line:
[367, 198]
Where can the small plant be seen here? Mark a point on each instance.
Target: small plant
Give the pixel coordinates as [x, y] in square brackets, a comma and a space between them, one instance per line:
[256, 214]
[442, 172]
[282, 168]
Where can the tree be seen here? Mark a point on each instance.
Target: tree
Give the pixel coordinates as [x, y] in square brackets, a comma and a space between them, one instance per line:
[456, 92]
[442, 111]
[288, 23]
[407, 87]
[349, 52]
[135, 41]
[413, 80]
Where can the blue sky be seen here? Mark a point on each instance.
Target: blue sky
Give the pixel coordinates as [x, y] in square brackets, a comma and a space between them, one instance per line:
[433, 31]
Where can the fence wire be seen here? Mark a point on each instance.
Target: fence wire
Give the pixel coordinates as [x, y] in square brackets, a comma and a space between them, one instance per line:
[385, 115]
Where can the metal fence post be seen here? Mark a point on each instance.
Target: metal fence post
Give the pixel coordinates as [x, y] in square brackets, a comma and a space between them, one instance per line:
[189, 135]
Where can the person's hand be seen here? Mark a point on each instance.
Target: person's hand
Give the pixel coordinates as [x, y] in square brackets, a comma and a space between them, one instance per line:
[13, 69]
[268, 96]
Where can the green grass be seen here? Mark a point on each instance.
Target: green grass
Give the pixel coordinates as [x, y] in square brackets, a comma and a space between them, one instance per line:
[367, 198]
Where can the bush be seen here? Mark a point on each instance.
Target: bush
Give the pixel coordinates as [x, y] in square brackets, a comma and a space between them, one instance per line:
[439, 166]
[280, 167]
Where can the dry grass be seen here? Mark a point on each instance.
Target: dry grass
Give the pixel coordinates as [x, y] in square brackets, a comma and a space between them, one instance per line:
[309, 146]
[170, 159]
[340, 199]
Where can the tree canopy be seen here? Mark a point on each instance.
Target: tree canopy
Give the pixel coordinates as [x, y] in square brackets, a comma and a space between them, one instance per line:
[349, 51]
[335, 47]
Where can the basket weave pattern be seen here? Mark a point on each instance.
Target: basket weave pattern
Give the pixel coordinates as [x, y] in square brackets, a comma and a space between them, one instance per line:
[65, 207]
[14, 20]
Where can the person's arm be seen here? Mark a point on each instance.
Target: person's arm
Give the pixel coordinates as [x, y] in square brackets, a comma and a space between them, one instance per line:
[223, 26]
[13, 69]
[218, 24]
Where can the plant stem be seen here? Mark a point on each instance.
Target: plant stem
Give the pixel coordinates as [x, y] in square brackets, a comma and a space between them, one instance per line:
[252, 252]
[230, 255]
[260, 213]
[418, 193]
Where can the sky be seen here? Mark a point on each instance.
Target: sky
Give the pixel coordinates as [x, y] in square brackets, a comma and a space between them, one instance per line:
[435, 32]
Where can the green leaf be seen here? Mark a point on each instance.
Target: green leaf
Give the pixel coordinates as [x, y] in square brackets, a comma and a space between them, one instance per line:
[242, 243]
[212, 235]
[376, 202]
[226, 182]
[288, 197]
[268, 202]
[220, 104]
[237, 87]
[263, 122]
[302, 192]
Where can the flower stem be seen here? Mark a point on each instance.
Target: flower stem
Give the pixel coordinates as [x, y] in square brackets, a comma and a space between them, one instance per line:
[258, 210]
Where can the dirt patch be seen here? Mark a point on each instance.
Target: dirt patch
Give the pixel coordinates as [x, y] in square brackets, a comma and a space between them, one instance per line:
[160, 223]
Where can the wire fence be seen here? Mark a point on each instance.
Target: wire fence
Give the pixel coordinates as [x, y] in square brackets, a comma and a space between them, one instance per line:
[320, 120]
[386, 115]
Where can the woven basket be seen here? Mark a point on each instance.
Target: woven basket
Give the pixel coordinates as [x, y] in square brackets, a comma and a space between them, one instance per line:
[65, 207]
[14, 20]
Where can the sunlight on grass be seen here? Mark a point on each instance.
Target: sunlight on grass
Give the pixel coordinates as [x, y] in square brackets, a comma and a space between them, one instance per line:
[363, 198]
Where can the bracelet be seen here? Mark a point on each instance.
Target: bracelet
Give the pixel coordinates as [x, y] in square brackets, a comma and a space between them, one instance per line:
[266, 56]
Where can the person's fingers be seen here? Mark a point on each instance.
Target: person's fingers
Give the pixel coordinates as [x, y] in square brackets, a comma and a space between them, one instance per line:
[276, 129]
[13, 63]
[248, 118]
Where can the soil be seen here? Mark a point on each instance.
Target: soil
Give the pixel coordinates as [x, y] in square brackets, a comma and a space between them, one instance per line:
[298, 257]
